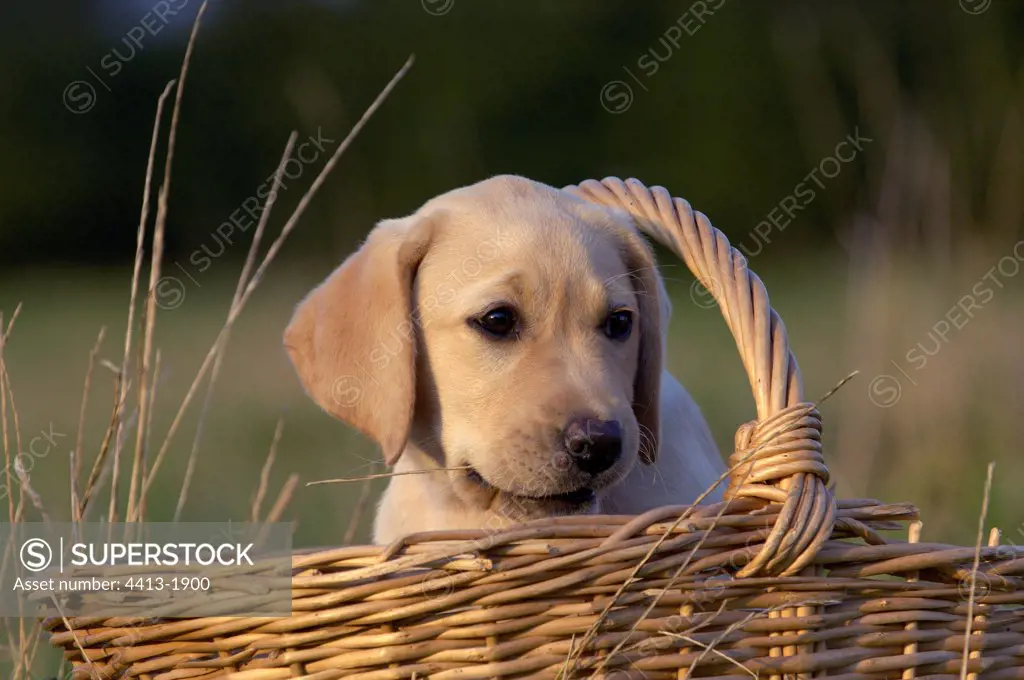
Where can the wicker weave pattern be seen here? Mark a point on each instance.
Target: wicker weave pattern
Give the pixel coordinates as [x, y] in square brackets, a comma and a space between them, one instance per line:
[779, 579]
[781, 452]
[516, 603]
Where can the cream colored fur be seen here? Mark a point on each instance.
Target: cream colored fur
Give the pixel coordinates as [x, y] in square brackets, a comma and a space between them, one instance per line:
[388, 344]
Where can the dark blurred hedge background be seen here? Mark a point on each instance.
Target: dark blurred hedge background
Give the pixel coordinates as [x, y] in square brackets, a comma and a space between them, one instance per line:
[498, 87]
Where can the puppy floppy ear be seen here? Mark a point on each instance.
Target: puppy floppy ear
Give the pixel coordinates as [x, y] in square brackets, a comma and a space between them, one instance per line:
[650, 293]
[352, 340]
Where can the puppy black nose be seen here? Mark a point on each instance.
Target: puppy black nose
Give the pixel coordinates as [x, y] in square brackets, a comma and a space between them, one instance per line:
[594, 444]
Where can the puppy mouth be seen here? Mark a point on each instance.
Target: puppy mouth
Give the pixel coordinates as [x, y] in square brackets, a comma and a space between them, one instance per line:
[580, 496]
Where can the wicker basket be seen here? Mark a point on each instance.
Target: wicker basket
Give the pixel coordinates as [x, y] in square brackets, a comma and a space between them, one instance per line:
[779, 579]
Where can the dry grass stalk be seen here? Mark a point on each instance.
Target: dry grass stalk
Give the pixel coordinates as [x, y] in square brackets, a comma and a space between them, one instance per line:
[141, 481]
[362, 503]
[5, 386]
[243, 279]
[16, 511]
[28, 651]
[10, 324]
[7, 401]
[76, 452]
[115, 431]
[982, 516]
[283, 499]
[261, 490]
[12, 644]
[386, 475]
[25, 483]
[721, 636]
[277, 509]
[138, 464]
[93, 484]
[3, 423]
[121, 397]
[268, 258]
[143, 376]
[149, 425]
[23, 646]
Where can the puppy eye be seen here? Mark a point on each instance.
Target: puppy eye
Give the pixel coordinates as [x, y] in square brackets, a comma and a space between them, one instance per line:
[500, 322]
[619, 324]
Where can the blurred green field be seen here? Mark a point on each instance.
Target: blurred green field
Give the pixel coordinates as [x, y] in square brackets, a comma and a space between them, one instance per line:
[930, 447]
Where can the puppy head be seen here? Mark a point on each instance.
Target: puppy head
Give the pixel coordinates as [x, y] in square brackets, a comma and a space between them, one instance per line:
[506, 326]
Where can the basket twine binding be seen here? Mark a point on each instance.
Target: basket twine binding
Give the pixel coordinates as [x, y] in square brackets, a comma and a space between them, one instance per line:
[778, 457]
[626, 598]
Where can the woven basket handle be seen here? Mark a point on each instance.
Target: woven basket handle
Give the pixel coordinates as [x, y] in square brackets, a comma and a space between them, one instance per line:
[778, 456]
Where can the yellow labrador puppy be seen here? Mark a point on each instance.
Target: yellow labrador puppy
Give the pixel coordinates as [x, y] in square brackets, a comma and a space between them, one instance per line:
[506, 341]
